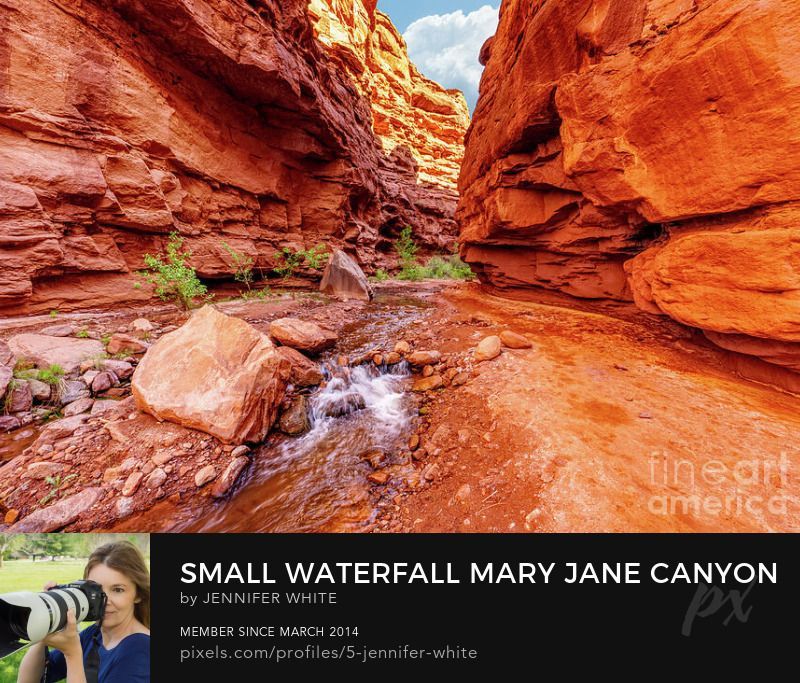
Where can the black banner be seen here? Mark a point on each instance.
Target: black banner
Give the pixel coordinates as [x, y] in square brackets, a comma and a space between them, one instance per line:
[245, 605]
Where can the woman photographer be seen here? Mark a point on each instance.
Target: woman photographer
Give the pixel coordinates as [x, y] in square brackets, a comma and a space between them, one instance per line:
[115, 649]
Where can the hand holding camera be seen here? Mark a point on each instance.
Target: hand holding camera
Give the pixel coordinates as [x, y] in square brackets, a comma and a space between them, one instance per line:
[51, 616]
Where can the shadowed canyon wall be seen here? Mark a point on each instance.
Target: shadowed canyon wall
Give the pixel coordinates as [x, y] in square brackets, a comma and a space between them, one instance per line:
[258, 123]
[646, 150]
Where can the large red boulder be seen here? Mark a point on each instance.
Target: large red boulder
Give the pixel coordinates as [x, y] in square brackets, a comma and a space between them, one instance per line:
[215, 373]
[302, 335]
[344, 278]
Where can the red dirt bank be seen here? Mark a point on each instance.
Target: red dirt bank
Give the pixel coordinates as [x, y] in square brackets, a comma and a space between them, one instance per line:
[574, 434]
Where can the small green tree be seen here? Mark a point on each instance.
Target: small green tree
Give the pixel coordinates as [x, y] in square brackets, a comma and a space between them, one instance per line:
[405, 247]
[171, 276]
[8, 542]
[243, 266]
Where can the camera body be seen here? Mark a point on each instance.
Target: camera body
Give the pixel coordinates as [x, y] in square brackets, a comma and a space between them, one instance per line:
[33, 616]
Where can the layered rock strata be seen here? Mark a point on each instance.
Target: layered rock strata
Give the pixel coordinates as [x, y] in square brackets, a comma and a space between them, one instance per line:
[646, 151]
[230, 122]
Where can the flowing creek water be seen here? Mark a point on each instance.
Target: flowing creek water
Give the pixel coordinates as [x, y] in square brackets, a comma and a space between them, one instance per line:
[317, 481]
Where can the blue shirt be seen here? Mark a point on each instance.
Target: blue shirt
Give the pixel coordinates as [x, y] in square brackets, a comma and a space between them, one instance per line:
[128, 662]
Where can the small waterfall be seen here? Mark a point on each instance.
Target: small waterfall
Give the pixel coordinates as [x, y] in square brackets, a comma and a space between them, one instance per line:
[318, 481]
[377, 389]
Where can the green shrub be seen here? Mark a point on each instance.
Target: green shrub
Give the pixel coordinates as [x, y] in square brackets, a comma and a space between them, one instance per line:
[411, 271]
[51, 375]
[381, 275]
[436, 267]
[243, 266]
[54, 313]
[261, 294]
[316, 257]
[451, 268]
[84, 333]
[287, 261]
[23, 368]
[170, 275]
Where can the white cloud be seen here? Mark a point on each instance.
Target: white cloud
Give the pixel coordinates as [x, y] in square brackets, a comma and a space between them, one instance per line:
[445, 47]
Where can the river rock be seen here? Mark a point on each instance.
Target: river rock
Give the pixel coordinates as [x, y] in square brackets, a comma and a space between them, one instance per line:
[379, 478]
[21, 398]
[132, 483]
[63, 330]
[204, 475]
[459, 379]
[374, 456]
[103, 382]
[402, 347]
[294, 419]
[44, 350]
[392, 358]
[240, 450]
[514, 341]
[488, 349]
[122, 369]
[156, 478]
[7, 356]
[9, 423]
[73, 390]
[59, 514]
[427, 371]
[43, 469]
[303, 372]
[302, 335]
[6, 374]
[82, 405]
[344, 278]
[424, 358]
[120, 343]
[427, 383]
[60, 429]
[344, 404]
[88, 377]
[39, 390]
[229, 476]
[217, 374]
[142, 325]
[101, 407]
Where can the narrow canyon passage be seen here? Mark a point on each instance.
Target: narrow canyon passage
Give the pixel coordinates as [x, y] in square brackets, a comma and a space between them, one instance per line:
[627, 180]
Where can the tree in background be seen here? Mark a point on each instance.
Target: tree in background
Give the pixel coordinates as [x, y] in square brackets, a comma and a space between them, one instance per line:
[8, 542]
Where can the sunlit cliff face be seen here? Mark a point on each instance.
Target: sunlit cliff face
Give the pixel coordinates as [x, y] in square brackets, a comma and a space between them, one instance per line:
[644, 151]
[408, 110]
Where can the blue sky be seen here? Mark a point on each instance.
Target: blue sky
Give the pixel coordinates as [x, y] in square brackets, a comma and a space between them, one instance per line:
[444, 38]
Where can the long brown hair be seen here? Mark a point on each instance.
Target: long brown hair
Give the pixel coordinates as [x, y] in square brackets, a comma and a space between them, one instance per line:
[125, 558]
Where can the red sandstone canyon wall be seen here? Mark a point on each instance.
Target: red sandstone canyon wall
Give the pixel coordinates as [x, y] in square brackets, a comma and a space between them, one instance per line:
[228, 121]
[645, 150]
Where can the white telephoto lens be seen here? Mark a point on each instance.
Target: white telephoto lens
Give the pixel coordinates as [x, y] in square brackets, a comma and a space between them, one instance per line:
[38, 622]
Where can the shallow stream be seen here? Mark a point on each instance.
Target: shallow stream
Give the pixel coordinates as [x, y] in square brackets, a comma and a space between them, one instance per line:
[318, 481]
